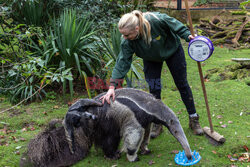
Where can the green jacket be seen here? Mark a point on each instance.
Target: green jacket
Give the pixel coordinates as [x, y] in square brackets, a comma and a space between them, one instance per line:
[165, 32]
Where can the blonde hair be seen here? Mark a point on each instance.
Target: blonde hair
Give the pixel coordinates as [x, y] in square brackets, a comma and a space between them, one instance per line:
[137, 18]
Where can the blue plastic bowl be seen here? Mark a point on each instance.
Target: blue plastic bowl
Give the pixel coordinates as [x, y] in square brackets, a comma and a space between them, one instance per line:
[181, 158]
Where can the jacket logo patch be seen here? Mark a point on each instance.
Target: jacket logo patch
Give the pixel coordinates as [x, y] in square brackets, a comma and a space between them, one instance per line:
[158, 38]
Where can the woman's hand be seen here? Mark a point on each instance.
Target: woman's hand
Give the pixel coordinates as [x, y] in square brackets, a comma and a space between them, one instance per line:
[190, 37]
[111, 92]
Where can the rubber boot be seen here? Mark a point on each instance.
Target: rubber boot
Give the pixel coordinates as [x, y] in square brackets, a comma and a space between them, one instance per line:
[195, 125]
[156, 131]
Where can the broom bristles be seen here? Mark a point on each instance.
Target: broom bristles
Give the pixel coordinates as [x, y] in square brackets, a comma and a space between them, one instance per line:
[216, 136]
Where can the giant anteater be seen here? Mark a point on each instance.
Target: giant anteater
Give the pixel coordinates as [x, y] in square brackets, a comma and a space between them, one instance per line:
[89, 122]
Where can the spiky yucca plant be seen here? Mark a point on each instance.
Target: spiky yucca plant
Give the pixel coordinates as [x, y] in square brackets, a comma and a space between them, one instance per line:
[74, 36]
[110, 51]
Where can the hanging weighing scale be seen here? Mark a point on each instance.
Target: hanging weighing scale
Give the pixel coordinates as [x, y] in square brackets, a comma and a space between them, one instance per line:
[200, 48]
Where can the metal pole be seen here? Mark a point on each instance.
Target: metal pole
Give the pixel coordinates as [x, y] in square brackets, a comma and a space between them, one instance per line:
[178, 4]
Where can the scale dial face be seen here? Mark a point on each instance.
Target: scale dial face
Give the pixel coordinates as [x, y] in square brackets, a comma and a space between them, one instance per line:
[200, 48]
[199, 51]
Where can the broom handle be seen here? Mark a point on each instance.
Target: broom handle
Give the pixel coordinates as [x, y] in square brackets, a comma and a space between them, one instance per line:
[199, 67]
[205, 97]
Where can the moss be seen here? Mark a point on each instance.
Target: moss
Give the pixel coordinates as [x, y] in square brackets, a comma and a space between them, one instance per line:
[215, 78]
[239, 12]
[247, 80]
[227, 75]
[243, 73]
[234, 67]
[231, 34]
[200, 32]
[230, 72]
[219, 41]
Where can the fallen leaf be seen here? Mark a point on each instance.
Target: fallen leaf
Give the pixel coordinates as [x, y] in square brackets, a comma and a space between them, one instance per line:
[245, 147]
[231, 158]
[214, 152]
[245, 156]
[56, 107]
[17, 152]
[24, 130]
[32, 129]
[2, 142]
[159, 155]
[175, 152]
[219, 116]
[224, 126]
[18, 147]
[10, 131]
[241, 159]
[201, 148]
[22, 139]
[13, 137]
[151, 162]
[179, 112]
[69, 103]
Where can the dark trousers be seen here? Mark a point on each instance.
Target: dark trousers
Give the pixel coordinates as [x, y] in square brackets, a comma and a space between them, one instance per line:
[177, 67]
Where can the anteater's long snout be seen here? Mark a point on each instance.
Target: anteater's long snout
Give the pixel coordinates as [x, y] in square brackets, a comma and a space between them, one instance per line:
[175, 128]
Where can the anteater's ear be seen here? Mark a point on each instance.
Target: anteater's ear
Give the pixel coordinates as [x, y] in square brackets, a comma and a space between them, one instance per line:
[84, 103]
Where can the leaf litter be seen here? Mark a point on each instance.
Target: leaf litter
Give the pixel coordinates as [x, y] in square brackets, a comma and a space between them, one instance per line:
[241, 157]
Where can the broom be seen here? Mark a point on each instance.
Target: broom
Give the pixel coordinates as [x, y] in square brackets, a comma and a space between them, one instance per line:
[208, 131]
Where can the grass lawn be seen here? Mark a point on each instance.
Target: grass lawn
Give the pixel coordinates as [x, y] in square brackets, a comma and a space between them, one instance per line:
[229, 102]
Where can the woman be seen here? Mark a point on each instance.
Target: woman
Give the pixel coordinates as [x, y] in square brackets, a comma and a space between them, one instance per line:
[155, 38]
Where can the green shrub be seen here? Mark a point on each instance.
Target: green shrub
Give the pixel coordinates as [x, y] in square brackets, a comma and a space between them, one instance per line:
[29, 79]
[34, 12]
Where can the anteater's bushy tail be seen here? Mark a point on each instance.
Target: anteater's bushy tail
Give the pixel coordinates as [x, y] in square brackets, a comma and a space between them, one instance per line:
[51, 149]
